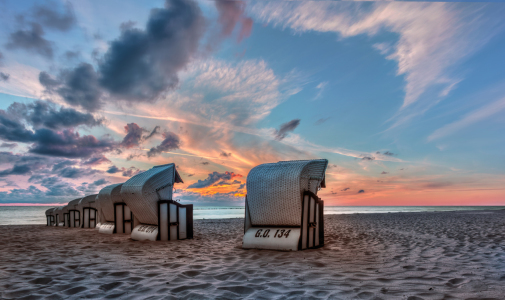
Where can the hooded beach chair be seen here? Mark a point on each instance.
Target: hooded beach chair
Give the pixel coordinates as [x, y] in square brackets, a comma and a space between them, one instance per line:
[74, 215]
[282, 210]
[87, 209]
[117, 216]
[50, 216]
[66, 217]
[149, 196]
[58, 216]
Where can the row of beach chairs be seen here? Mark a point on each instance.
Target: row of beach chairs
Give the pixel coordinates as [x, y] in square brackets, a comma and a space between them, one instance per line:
[282, 209]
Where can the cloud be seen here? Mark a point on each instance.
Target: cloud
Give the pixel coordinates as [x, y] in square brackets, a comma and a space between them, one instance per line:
[71, 55]
[8, 145]
[51, 18]
[224, 154]
[155, 131]
[70, 172]
[70, 144]
[141, 64]
[344, 189]
[231, 13]
[388, 153]
[321, 121]
[45, 114]
[204, 163]
[361, 191]
[4, 76]
[432, 37]
[213, 178]
[365, 157]
[477, 115]
[31, 40]
[171, 142]
[132, 171]
[320, 87]
[286, 128]
[384, 173]
[79, 87]
[95, 161]
[133, 135]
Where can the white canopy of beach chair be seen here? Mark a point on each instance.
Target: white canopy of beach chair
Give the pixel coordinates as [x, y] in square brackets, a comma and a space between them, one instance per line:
[284, 194]
[87, 207]
[150, 192]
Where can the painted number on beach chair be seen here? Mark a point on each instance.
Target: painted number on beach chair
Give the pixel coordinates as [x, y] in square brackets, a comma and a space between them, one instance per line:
[147, 228]
[278, 234]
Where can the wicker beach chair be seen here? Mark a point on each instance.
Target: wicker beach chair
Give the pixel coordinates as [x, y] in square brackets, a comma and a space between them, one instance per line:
[87, 208]
[50, 216]
[149, 196]
[118, 218]
[282, 210]
[66, 217]
[74, 215]
[58, 216]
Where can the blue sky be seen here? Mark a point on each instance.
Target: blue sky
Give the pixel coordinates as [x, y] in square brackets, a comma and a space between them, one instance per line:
[405, 99]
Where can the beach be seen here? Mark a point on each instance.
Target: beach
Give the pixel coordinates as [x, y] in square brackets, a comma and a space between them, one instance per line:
[428, 255]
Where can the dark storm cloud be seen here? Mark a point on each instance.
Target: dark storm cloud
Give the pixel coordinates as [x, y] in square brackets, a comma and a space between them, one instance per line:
[46, 114]
[56, 187]
[133, 135]
[48, 82]
[70, 144]
[51, 18]
[16, 170]
[63, 164]
[31, 40]
[22, 164]
[141, 64]
[98, 183]
[213, 178]
[286, 128]
[361, 191]
[155, 131]
[4, 76]
[241, 186]
[171, 142]
[12, 130]
[8, 145]
[80, 87]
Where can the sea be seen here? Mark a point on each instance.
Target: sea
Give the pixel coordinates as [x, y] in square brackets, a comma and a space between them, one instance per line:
[27, 215]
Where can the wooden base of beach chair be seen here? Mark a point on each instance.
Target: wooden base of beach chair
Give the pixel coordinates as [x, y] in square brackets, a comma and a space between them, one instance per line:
[175, 223]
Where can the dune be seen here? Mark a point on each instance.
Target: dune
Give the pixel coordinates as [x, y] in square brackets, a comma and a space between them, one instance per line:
[436, 255]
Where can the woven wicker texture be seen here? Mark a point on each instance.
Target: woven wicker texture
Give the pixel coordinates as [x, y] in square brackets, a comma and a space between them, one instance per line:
[105, 201]
[142, 192]
[64, 209]
[87, 201]
[50, 211]
[274, 191]
[73, 204]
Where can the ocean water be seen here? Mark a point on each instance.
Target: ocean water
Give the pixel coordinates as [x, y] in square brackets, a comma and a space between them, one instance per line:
[21, 215]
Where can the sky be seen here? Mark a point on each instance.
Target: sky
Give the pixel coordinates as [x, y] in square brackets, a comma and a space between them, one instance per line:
[405, 99]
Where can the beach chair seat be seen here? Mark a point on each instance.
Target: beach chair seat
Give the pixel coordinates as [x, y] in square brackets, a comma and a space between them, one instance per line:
[50, 217]
[282, 209]
[149, 196]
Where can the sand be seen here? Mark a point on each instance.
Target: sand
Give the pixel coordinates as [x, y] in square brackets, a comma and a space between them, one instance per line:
[442, 255]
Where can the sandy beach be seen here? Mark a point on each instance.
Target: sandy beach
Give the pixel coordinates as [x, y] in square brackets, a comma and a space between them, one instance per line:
[440, 255]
